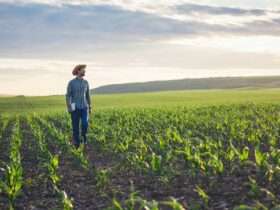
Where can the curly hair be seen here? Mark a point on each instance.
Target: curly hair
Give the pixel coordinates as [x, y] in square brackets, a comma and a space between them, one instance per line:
[78, 68]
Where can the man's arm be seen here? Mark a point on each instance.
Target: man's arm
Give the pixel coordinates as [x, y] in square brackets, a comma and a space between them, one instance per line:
[68, 96]
[88, 97]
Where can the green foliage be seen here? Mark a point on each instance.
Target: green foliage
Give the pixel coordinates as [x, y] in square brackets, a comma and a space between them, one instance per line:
[174, 204]
[102, 177]
[13, 179]
[166, 99]
[202, 145]
[67, 203]
[49, 161]
[203, 195]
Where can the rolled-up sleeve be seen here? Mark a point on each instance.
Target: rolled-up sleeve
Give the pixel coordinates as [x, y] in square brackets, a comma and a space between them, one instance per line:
[68, 95]
[88, 95]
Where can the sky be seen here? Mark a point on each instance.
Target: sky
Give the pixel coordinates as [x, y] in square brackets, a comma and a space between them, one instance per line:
[134, 41]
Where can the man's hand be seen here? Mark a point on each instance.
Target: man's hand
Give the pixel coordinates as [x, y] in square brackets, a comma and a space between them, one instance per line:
[69, 109]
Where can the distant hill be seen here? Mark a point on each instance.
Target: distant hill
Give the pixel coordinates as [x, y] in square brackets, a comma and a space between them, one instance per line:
[192, 84]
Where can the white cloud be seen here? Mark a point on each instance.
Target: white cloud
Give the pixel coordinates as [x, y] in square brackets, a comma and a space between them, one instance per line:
[236, 3]
[129, 41]
[253, 44]
[49, 77]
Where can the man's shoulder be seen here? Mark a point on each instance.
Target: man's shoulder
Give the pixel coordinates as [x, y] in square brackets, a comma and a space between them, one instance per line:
[75, 80]
[72, 80]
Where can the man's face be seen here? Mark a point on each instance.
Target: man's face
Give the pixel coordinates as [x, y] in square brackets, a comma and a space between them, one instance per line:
[82, 72]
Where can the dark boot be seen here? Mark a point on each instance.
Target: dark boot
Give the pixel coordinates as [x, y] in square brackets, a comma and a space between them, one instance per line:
[77, 146]
[84, 139]
[76, 142]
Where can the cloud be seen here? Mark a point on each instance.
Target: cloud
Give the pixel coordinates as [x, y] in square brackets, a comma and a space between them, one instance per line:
[56, 28]
[132, 40]
[214, 10]
[41, 77]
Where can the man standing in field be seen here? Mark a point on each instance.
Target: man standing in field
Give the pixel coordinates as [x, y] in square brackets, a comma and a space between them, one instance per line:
[79, 103]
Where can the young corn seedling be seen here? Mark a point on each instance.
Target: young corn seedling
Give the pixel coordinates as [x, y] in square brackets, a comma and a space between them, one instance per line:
[102, 177]
[174, 204]
[67, 203]
[156, 164]
[80, 156]
[203, 195]
[13, 179]
[52, 168]
[13, 182]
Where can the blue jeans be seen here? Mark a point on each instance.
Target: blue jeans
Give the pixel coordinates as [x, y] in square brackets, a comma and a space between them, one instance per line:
[76, 116]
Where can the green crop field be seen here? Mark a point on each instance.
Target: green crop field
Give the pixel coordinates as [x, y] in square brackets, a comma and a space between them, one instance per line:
[217, 149]
[167, 99]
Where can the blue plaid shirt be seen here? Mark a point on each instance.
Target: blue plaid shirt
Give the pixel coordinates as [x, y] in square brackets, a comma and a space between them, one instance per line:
[78, 93]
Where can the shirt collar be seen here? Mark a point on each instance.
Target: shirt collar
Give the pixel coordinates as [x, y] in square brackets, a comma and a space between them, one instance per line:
[79, 78]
